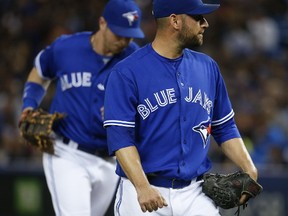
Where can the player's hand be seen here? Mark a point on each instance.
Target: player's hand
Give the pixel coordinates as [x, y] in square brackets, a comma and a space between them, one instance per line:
[150, 199]
[244, 198]
[23, 115]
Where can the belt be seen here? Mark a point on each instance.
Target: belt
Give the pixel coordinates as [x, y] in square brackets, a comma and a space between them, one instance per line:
[174, 183]
[69, 142]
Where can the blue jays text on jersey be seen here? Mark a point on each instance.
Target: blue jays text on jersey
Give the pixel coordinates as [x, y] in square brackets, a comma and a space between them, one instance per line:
[167, 96]
[81, 74]
[172, 106]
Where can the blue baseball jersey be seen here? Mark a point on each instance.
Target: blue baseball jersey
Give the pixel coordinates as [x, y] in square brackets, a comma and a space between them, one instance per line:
[168, 109]
[81, 76]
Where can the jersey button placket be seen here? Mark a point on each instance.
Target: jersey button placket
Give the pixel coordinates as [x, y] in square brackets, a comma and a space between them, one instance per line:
[182, 120]
[180, 79]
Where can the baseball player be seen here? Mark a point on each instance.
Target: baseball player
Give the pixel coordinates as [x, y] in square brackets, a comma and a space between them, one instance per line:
[81, 179]
[162, 104]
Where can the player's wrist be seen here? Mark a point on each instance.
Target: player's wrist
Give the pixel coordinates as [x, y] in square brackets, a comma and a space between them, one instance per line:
[24, 113]
[33, 95]
[29, 104]
[253, 173]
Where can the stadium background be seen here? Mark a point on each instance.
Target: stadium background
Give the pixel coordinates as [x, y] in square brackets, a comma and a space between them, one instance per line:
[249, 40]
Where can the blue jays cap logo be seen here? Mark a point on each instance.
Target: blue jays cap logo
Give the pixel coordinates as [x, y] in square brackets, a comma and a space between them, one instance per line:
[204, 129]
[131, 17]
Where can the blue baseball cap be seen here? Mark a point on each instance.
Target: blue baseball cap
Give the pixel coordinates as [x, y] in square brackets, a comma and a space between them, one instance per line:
[164, 8]
[123, 18]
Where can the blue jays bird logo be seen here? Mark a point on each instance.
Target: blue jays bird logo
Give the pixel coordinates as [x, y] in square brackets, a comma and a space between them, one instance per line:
[131, 17]
[204, 129]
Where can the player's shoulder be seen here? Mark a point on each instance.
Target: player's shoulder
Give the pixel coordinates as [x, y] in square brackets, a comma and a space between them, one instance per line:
[132, 64]
[131, 48]
[77, 38]
[199, 56]
[74, 36]
[138, 55]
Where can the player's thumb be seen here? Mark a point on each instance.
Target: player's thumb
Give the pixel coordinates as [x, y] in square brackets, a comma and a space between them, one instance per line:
[164, 202]
[244, 198]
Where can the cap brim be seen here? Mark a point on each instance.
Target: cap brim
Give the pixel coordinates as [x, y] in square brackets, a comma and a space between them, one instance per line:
[127, 32]
[204, 9]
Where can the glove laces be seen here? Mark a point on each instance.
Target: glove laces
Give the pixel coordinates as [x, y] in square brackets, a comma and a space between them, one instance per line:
[239, 207]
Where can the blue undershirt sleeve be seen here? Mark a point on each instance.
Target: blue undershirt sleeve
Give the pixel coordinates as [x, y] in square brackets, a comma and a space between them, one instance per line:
[33, 95]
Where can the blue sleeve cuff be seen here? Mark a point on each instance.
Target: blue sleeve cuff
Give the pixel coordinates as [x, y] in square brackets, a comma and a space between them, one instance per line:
[119, 137]
[33, 95]
[226, 131]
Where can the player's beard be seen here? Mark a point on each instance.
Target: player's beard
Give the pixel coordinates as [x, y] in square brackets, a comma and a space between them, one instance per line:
[115, 47]
[111, 45]
[188, 39]
[112, 48]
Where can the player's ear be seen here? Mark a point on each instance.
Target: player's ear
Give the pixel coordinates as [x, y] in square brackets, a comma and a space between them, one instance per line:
[102, 23]
[175, 21]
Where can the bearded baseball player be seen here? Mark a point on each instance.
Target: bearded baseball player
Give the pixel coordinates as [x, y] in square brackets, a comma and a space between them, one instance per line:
[82, 180]
[162, 104]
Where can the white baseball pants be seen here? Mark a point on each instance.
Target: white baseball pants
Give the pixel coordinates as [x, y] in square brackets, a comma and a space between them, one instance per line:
[80, 183]
[188, 201]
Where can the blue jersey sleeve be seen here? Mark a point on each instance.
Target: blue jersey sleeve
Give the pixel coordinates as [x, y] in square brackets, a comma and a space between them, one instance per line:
[119, 111]
[45, 62]
[225, 131]
[223, 124]
[120, 101]
[119, 137]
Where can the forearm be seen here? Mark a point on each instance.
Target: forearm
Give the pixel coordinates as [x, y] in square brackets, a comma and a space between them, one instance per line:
[35, 77]
[130, 162]
[236, 151]
[34, 90]
[149, 198]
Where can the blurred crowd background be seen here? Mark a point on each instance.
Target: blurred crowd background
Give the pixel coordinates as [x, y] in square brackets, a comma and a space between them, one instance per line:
[248, 39]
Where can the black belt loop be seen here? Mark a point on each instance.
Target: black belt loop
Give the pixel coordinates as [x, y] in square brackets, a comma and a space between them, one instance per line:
[66, 140]
[199, 178]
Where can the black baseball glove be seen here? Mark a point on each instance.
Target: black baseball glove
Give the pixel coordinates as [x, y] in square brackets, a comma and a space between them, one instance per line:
[36, 128]
[226, 190]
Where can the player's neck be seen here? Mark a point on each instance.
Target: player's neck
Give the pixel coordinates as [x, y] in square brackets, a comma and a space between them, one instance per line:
[166, 46]
[167, 49]
[97, 45]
